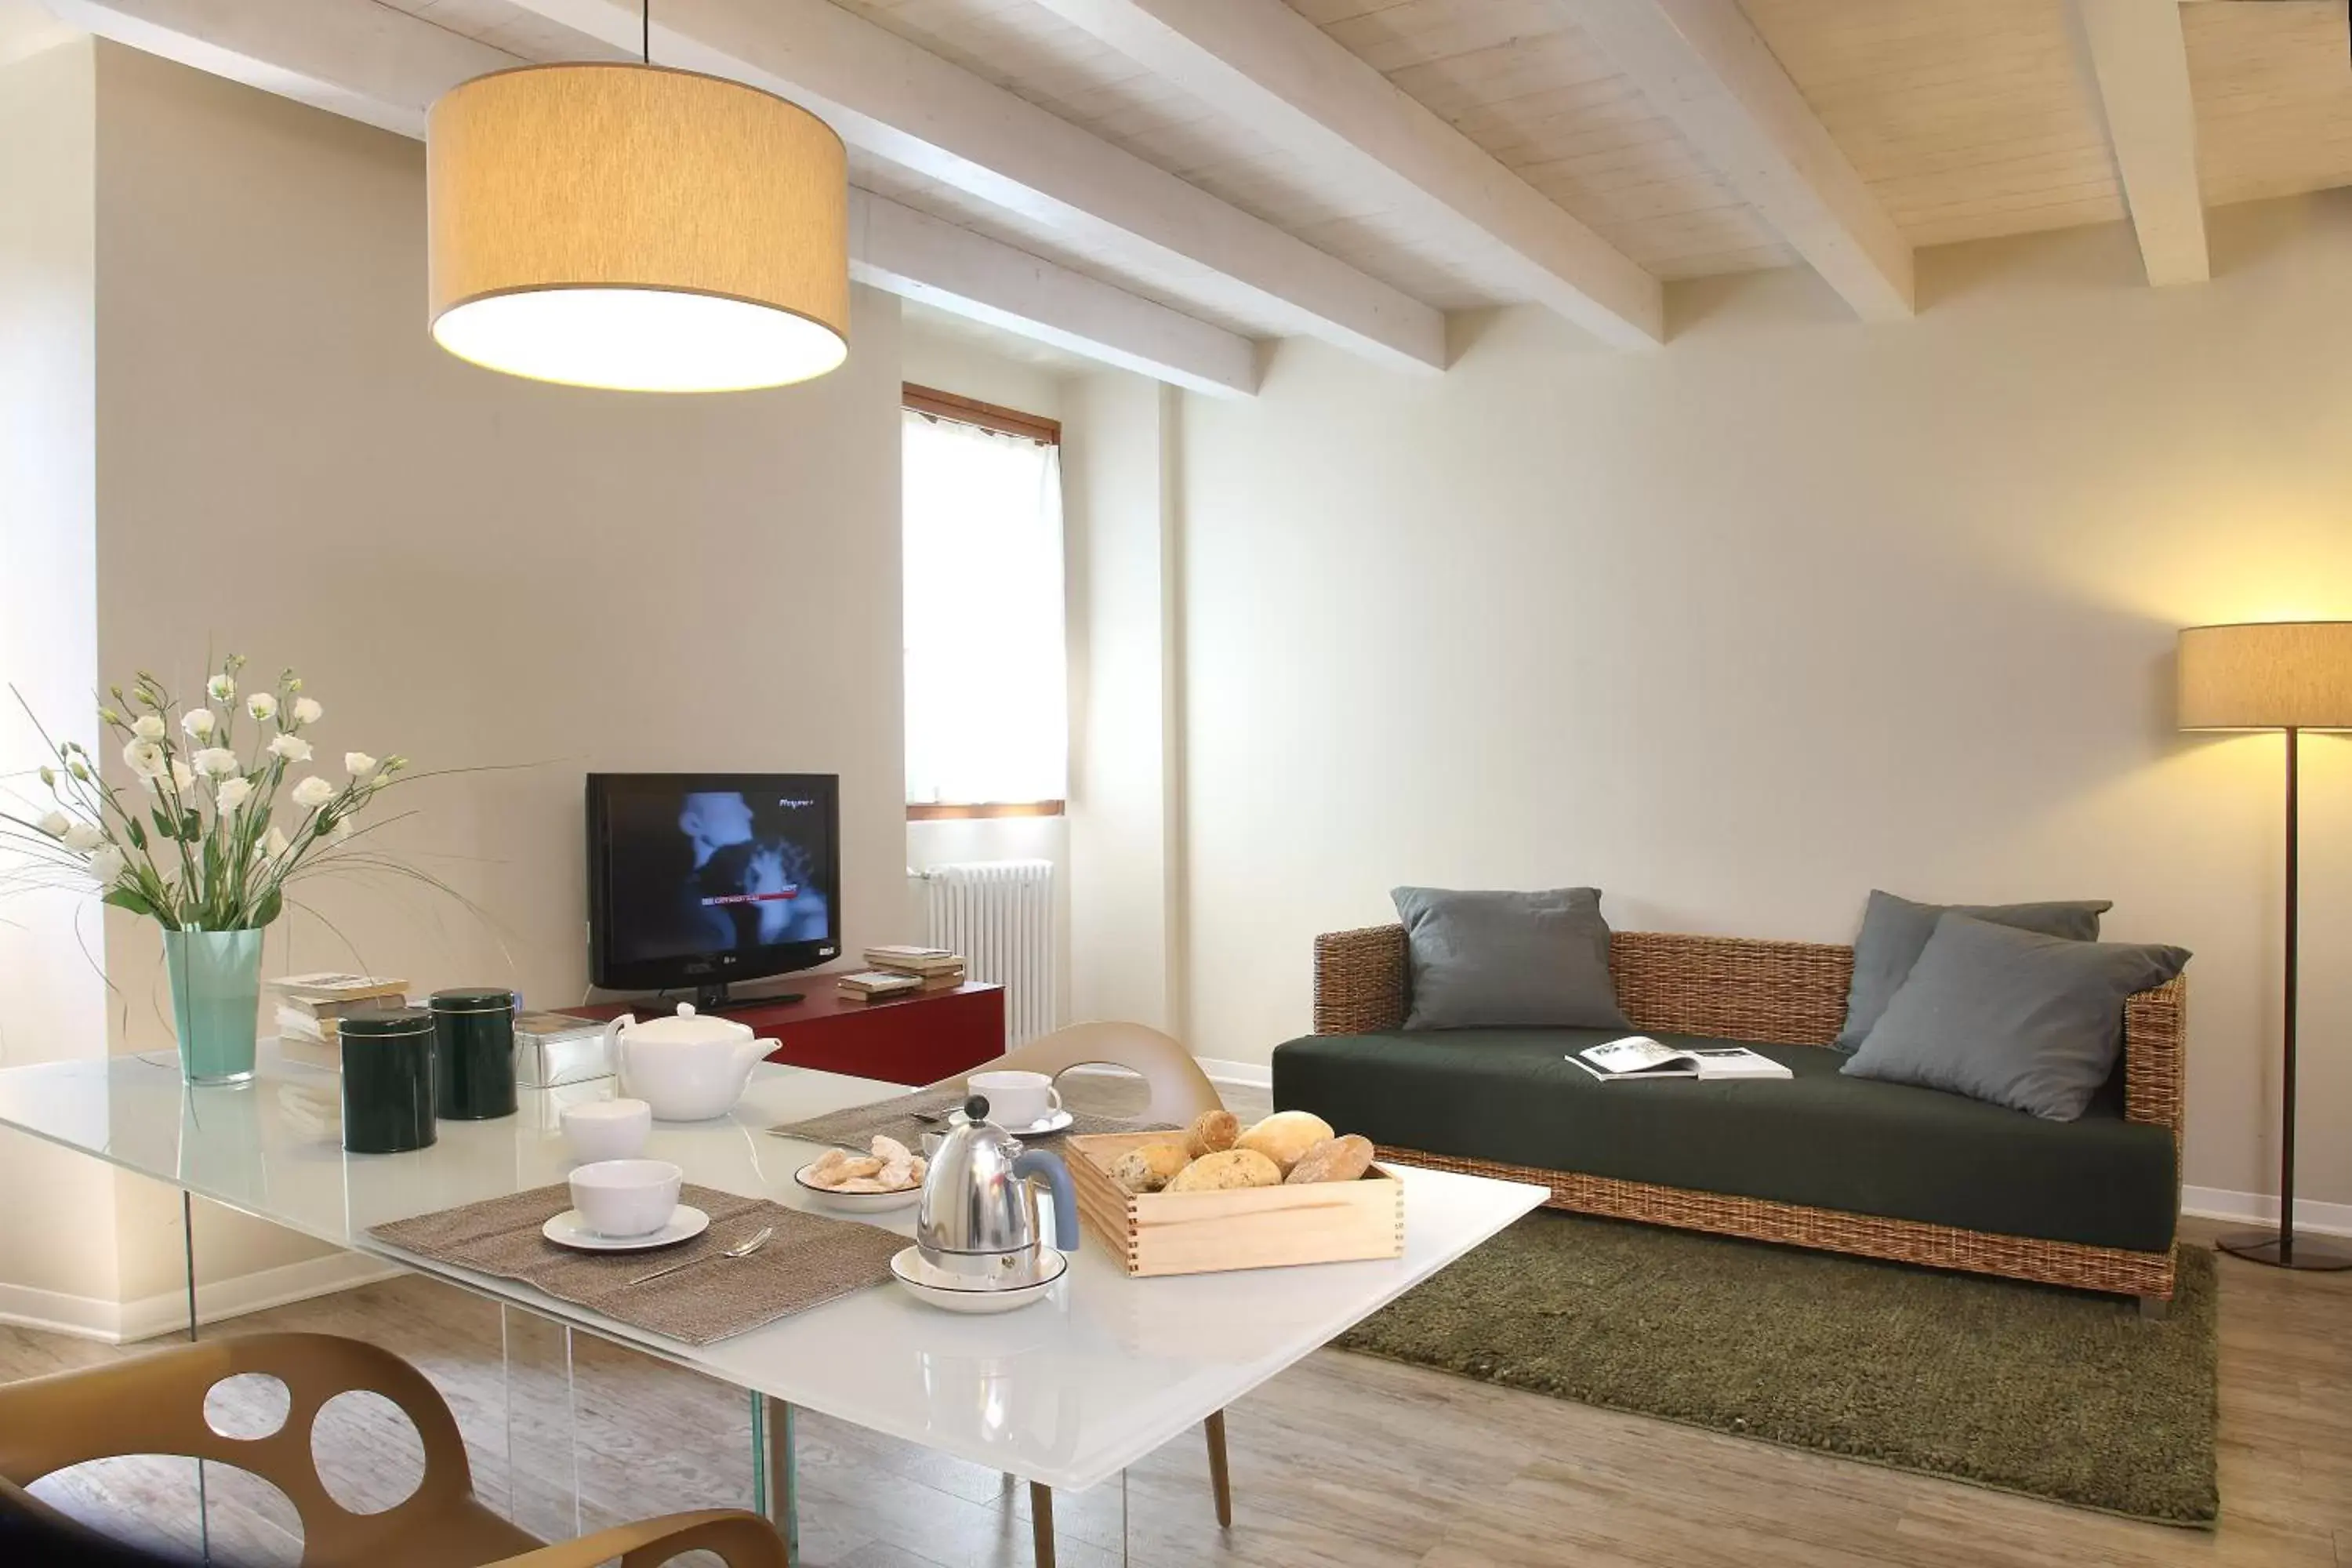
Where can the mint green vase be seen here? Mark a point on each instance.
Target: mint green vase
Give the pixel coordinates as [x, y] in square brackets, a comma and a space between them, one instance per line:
[215, 1001]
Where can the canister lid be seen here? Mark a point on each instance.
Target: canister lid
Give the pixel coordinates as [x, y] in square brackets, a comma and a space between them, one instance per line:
[391, 1021]
[464, 999]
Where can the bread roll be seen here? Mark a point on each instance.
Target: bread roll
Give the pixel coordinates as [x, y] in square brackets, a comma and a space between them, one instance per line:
[1226, 1170]
[1334, 1160]
[1150, 1168]
[1212, 1132]
[1286, 1136]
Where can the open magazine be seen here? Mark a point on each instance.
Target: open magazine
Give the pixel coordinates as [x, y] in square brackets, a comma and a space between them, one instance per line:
[1640, 1056]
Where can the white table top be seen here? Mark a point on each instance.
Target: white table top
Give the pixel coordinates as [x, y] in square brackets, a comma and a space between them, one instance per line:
[1068, 1391]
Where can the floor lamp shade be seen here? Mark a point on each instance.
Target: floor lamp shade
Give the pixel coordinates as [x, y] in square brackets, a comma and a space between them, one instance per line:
[636, 227]
[2267, 675]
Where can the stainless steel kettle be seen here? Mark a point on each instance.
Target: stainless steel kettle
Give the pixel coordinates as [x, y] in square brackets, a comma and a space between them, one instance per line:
[978, 1216]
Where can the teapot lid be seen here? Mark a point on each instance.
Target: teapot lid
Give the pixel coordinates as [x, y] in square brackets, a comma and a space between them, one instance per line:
[685, 1027]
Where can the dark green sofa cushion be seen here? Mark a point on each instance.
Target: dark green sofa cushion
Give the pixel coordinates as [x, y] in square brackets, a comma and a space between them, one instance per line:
[1819, 1139]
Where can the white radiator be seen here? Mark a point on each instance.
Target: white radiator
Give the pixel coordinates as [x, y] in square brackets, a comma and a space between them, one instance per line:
[1000, 915]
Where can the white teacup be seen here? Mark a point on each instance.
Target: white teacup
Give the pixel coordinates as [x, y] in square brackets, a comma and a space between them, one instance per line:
[627, 1197]
[607, 1129]
[1016, 1100]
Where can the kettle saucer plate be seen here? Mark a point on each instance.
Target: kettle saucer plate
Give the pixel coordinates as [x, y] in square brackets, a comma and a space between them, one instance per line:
[856, 1203]
[938, 1288]
[568, 1229]
[1054, 1123]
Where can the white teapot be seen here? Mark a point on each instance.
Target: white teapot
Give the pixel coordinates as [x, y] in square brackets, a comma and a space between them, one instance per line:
[688, 1068]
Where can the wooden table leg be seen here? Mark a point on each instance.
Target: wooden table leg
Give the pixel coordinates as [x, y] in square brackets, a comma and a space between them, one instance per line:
[1041, 1521]
[783, 1475]
[1220, 1477]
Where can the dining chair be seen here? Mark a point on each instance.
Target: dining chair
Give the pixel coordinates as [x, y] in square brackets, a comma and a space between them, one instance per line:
[1180, 1091]
[155, 1405]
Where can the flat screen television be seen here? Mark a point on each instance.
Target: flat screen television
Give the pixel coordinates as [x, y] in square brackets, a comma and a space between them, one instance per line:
[705, 880]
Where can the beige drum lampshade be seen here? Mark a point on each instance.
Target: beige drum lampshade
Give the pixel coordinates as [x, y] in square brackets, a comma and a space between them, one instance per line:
[636, 227]
[2267, 675]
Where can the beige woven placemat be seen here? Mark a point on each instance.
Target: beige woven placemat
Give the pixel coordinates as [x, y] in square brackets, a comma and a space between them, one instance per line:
[907, 1117]
[809, 1261]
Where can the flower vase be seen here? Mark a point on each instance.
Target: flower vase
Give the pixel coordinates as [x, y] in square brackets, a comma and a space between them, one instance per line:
[215, 1001]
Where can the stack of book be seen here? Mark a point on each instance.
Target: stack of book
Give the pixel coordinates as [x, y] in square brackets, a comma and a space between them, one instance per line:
[935, 967]
[876, 985]
[311, 1008]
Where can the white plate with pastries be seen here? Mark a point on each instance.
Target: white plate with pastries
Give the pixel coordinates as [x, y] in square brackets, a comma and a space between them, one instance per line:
[885, 1178]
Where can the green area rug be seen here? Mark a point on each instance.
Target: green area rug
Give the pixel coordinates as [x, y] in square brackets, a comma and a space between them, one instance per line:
[2053, 1393]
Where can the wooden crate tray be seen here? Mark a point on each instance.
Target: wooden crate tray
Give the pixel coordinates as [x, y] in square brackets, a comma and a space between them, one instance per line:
[1249, 1227]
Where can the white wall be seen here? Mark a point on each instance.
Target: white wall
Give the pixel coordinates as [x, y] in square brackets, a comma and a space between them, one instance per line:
[1795, 607]
[476, 571]
[52, 993]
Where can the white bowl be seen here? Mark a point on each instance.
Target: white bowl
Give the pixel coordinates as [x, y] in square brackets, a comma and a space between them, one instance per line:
[856, 1203]
[607, 1129]
[627, 1197]
[954, 1292]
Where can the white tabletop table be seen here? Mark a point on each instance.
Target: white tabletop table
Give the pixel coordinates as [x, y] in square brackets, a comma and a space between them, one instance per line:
[1066, 1393]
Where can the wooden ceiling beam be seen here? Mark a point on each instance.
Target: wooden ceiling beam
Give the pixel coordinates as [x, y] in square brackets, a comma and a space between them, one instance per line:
[1277, 75]
[1702, 63]
[372, 63]
[2141, 63]
[891, 97]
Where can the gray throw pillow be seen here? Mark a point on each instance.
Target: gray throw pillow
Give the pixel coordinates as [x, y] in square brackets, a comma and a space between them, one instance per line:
[1508, 960]
[2020, 1019]
[1896, 930]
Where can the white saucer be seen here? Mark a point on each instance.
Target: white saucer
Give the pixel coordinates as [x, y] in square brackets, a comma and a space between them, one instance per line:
[947, 1291]
[568, 1229]
[1053, 1123]
[856, 1203]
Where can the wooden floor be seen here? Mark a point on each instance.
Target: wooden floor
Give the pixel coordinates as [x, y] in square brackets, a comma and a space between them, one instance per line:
[1342, 1461]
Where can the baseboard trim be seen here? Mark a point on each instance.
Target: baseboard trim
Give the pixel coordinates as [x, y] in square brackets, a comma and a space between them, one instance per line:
[124, 1323]
[2263, 1208]
[1237, 1075]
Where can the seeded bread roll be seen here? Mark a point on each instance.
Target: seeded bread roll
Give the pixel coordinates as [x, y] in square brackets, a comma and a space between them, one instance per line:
[1212, 1132]
[1334, 1160]
[1286, 1136]
[1226, 1170]
[1150, 1168]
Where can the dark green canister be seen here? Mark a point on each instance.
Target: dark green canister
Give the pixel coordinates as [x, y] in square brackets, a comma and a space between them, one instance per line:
[387, 1081]
[473, 1050]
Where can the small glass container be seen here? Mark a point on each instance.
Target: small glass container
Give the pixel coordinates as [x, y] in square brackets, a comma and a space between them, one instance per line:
[387, 1081]
[473, 1051]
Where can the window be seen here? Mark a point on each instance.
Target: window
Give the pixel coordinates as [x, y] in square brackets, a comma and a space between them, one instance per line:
[987, 700]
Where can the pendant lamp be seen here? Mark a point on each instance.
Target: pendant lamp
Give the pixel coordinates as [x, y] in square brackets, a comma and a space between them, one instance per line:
[632, 227]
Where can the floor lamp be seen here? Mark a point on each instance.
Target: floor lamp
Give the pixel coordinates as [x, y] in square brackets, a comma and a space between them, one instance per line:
[2277, 675]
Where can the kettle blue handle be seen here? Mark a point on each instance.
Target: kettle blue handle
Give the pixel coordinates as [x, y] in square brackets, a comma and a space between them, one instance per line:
[1057, 1176]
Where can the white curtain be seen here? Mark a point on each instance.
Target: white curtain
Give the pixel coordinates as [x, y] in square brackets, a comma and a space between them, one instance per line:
[987, 700]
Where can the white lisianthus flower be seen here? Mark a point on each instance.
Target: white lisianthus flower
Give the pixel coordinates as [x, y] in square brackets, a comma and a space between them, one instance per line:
[148, 727]
[313, 793]
[106, 864]
[216, 762]
[292, 748]
[261, 705]
[183, 777]
[198, 722]
[232, 792]
[359, 764]
[307, 711]
[273, 844]
[145, 758]
[339, 831]
[55, 824]
[221, 688]
[83, 836]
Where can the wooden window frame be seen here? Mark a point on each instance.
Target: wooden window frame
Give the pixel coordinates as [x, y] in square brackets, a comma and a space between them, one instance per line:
[940, 811]
[934, 403]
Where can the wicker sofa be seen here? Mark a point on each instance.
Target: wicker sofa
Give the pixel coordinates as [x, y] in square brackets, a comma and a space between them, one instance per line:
[1772, 993]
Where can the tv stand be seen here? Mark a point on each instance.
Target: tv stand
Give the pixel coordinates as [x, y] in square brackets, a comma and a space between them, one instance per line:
[917, 1039]
[712, 996]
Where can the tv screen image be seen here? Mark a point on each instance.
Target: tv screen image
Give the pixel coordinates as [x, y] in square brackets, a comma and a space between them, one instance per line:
[708, 878]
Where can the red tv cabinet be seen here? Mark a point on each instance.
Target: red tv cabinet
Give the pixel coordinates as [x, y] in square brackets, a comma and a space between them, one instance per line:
[909, 1039]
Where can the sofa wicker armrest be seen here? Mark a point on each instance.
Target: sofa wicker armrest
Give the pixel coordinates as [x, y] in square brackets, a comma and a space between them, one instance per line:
[2155, 1041]
[1360, 981]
